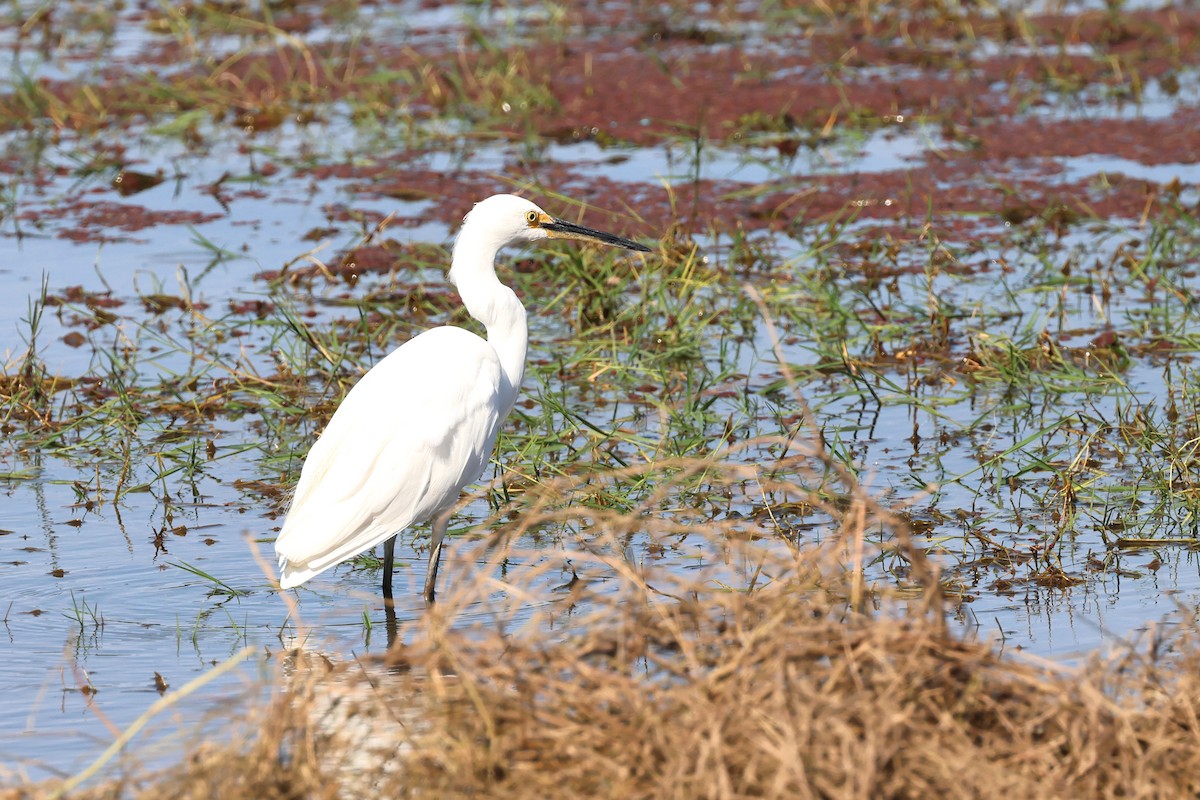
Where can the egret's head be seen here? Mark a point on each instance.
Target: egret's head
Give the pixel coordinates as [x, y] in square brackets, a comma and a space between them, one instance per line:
[504, 219]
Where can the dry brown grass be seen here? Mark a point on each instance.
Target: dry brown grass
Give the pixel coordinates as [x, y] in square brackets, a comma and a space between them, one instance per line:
[623, 689]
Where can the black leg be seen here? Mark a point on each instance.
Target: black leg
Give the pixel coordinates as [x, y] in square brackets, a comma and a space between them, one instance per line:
[435, 555]
[389, 551]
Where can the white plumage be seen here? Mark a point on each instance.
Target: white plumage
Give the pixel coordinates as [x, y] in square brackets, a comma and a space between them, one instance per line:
[379, 465]
[421, 424]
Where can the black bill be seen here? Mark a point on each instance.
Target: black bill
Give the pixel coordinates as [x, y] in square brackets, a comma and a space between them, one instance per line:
[560, 229]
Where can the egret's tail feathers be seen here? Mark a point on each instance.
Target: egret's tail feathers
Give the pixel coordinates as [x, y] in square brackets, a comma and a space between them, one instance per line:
[291, 576]
[292, 573]
[303, 556]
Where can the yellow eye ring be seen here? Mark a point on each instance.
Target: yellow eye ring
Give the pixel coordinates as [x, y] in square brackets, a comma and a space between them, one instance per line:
[532, 217]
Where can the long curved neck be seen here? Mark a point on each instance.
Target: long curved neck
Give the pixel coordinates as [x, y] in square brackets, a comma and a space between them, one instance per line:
[473, 272]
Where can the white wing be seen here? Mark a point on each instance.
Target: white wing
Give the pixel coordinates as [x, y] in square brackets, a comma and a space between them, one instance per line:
[416, 429]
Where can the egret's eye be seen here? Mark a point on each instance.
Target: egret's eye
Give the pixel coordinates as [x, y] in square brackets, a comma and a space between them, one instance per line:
[531, 217]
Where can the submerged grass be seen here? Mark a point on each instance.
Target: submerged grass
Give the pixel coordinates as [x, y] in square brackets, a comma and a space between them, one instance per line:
[1038, 405]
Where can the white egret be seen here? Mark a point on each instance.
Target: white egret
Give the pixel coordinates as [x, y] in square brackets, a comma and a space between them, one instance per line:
[421, 424]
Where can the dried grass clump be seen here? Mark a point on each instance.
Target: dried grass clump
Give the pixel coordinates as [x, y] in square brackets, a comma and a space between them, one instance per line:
[779, 692]
[778, 695]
